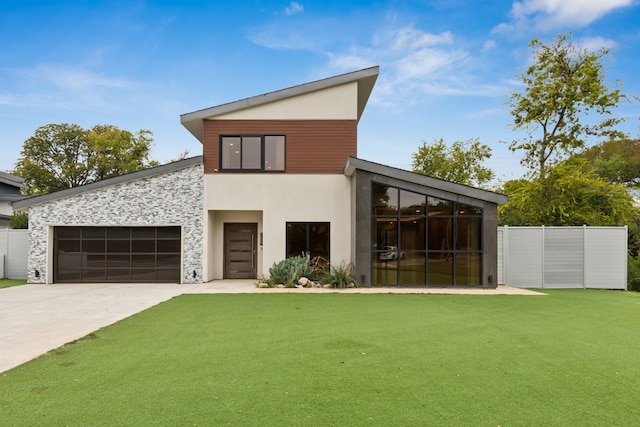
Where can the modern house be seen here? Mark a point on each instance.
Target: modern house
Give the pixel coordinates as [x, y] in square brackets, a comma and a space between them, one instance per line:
[279, 176]
[10, 186]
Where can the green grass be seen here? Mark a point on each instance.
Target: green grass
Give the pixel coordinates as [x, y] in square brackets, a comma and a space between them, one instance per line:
[566, 359]
[7, 283]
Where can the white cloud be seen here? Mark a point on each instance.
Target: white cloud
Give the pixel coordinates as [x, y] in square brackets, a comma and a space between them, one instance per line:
[597, 43]
[293, 8]
[64, 87]
[545, 15]
[416, 64]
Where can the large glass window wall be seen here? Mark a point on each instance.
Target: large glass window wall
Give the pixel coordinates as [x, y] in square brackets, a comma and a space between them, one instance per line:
[420, 240]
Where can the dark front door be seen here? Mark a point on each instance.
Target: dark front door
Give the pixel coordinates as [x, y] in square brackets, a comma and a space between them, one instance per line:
[240, 251]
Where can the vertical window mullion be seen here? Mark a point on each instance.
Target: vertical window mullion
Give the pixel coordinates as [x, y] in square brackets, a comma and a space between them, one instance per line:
[262, 153]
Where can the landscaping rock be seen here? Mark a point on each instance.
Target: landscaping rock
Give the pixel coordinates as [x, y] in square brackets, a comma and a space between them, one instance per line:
[280, 286]
[303, 281]
[263, 285]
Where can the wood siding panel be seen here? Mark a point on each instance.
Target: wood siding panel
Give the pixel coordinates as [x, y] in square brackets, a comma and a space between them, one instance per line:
[312, 146]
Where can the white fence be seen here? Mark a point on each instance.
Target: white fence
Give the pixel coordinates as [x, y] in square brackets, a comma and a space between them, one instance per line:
[563, 257]
[14, 246]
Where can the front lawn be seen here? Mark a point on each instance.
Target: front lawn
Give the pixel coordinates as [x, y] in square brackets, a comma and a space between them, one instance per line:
[566, 359]
[7, 283]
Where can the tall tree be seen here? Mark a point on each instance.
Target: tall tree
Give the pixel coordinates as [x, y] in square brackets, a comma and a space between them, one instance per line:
[61, 156]
[562, 86]
[462, 162]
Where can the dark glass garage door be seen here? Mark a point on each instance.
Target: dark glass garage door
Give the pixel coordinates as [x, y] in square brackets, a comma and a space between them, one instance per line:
[116, 254]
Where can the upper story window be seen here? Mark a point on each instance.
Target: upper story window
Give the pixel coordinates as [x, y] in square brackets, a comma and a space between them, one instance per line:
[252, 153]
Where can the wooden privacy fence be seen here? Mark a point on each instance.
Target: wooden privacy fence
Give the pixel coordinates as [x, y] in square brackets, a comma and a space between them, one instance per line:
[14, 247]
[563, 257]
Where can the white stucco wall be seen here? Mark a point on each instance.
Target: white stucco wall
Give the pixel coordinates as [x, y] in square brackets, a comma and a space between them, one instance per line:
[335, 103]
[169, 199]
[272, 200]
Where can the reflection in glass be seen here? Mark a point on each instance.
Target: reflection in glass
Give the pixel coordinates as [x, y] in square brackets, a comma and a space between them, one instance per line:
[440, 269]
[251, 152]
[412, 203]
[440, 233]
[384, 199]
[319, 240]
[468, 233]
[383, 272]
[439, 206]
[274, 153]
[231, 152]
[468, 269]
[296, 238]
[413, 269]
[385, 233]
[468, 210]
[412, 234]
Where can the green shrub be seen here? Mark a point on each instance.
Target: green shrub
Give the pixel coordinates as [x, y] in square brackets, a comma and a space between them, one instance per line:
[290, 270]
[633, 273]
[342, 276]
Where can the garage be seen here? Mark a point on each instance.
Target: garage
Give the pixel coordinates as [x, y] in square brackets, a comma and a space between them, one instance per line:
[116, 254]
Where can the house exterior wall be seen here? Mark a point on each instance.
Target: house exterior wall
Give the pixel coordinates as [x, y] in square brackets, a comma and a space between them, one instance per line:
[272, 200]
[312, 146]
[172, 198]
[333, 103]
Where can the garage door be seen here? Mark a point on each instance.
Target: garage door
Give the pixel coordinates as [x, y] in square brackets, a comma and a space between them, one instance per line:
[116, 254]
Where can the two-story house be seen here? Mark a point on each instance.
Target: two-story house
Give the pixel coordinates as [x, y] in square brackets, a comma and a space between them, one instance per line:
[279, 176]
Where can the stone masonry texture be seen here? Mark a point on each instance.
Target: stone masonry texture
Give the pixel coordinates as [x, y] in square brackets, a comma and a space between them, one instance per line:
[174, 198]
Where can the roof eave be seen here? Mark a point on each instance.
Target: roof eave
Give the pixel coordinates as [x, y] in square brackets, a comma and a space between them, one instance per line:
[354, 164]
[145, 173]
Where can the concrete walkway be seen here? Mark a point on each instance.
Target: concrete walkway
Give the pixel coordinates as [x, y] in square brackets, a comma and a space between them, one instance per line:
[35, 319]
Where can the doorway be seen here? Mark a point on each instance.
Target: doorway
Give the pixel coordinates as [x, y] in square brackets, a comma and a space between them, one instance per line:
[240, 243]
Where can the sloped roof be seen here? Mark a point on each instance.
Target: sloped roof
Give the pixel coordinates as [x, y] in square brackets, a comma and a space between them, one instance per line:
[354, 163]
[16, 181]
[366, 79]
[157, 170]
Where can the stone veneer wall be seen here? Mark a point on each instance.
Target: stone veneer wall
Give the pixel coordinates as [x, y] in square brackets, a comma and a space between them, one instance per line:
[172, 198]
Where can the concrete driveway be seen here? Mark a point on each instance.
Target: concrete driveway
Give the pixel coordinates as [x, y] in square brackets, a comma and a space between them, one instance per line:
[35, 319]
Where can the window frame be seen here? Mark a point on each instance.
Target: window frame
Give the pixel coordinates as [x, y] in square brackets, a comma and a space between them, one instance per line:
[308, 239]
[381, 212]
[262, 168]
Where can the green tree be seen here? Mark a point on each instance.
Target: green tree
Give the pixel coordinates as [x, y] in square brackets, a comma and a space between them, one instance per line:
[616, 160]
[570, 194]
[563, 85]
[19, 221]
[61, 156]
[460, 163]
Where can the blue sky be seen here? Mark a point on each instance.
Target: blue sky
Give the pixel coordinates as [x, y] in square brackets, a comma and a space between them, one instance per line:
[446, 66]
